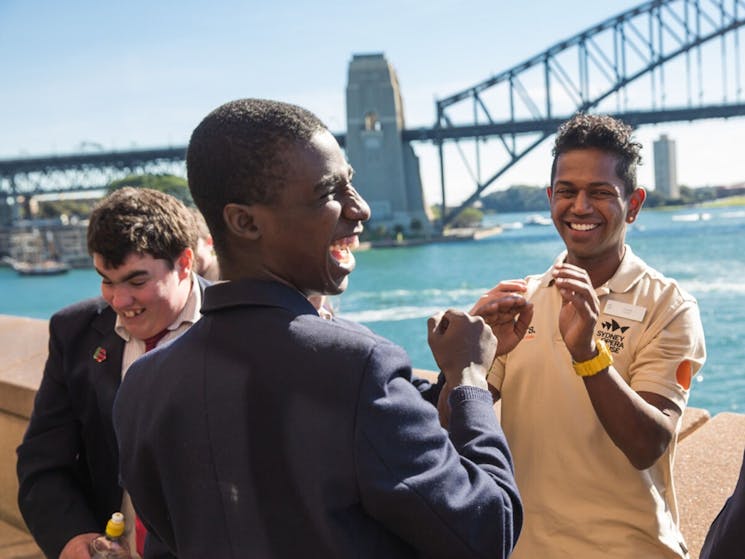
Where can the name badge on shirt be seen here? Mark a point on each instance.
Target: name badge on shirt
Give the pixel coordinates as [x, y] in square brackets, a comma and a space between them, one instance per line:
[625, 310]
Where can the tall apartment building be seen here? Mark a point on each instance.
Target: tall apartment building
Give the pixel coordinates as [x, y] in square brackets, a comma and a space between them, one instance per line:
[666, 167]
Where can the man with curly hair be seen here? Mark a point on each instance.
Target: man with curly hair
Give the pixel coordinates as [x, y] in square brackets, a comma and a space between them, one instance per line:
[595, 374]
[142, 242]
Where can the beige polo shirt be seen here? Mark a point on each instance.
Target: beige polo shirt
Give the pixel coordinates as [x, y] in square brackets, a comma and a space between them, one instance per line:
[582, 496]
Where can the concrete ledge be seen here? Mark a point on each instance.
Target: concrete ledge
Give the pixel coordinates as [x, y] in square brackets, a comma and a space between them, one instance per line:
[431, 376]
[12, 429]
[692, 419]
[17, 544]
[707, 464]
[24, 351]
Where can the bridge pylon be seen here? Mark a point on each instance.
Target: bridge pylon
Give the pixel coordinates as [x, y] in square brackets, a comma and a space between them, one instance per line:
[386, 167]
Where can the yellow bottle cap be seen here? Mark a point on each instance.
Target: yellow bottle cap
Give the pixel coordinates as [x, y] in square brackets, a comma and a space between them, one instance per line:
[115, 526]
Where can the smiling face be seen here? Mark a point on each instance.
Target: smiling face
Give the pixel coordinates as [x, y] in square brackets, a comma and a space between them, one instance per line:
[145, 292]
[308, 233]
[590, 209]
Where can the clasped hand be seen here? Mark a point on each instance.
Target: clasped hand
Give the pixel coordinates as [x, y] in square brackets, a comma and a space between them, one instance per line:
[463, 347]
[506, 310]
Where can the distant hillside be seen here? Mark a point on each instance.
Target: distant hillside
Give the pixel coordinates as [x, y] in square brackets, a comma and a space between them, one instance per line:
[524, 198]
[518, 198]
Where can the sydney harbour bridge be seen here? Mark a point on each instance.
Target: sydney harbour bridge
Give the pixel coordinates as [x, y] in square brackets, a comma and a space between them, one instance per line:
[662, 61]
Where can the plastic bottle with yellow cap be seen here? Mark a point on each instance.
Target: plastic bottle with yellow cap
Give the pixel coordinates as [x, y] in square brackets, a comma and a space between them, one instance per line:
[112, 545]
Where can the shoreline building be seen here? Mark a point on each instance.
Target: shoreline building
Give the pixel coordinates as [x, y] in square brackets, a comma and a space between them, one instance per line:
[666, 167]
[386, 168]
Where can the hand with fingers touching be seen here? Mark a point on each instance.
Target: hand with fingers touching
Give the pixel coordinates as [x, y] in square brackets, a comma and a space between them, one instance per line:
[506, 287]
[579, 311]
[506, 310]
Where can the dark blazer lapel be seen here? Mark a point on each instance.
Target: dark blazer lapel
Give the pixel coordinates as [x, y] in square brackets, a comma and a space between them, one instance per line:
[106, 372]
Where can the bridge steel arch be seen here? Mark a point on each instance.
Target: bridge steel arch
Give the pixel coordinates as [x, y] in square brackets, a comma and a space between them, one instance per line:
[692, 44]
[26, 177]
[683, 47]
[22, 178]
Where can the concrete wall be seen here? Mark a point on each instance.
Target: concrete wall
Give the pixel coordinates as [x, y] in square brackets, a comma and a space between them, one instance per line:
[23, 351]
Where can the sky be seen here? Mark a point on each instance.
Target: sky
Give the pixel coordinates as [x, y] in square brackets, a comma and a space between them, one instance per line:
[90, 74]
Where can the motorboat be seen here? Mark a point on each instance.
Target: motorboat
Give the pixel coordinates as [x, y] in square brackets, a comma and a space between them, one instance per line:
[538, 219]
[699, 216]
[41, 268]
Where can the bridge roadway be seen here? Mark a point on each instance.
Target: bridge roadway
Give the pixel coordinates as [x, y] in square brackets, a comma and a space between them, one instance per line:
[129, 161]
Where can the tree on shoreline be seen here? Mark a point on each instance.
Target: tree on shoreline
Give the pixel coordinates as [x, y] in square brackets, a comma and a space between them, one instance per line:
[170, 184]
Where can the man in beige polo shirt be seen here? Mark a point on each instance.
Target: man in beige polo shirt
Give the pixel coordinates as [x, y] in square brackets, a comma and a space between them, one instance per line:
[595, 374]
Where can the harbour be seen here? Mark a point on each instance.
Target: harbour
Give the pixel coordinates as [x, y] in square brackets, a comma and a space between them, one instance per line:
[394, 289]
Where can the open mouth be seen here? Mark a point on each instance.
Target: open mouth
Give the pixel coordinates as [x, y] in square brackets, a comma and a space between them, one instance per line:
[583, 226]
[132, 314]
[341, 250]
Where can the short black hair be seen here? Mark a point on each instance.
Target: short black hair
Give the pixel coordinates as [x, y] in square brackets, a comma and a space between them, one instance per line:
[236, 155]
[603, 132]
[140, 221]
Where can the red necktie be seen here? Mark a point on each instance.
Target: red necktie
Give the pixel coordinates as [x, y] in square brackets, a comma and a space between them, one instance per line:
[152, 341]
[140, 530]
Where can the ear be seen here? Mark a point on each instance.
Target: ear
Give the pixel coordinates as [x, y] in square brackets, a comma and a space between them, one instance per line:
[241, 221]
[185, 263]
[549, 192]
[636, 201]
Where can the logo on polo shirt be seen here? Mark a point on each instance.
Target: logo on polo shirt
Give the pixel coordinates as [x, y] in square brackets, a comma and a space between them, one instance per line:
[613, 326]
[530, 334]
[612, 333]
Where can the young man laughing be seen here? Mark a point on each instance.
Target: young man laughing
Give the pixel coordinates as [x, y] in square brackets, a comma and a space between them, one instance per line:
[290, 435]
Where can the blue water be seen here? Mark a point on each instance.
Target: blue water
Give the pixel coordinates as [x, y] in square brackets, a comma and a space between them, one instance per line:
[394, 290]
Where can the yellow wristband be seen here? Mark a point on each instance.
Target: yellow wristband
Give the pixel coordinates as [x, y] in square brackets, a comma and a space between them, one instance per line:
[593, 366]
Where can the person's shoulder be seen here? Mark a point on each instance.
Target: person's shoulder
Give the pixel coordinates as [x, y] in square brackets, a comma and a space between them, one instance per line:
[342, 337]
[82, 311]
[353, 332]
[77, 324]
[659, 283]
[353, 328]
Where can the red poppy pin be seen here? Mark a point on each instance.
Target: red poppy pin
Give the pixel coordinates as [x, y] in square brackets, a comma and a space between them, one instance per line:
[99, 355]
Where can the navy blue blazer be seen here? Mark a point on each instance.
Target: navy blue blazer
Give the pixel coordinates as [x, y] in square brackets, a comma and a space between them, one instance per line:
[68, 461]
[726, 536]
[267, 431]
